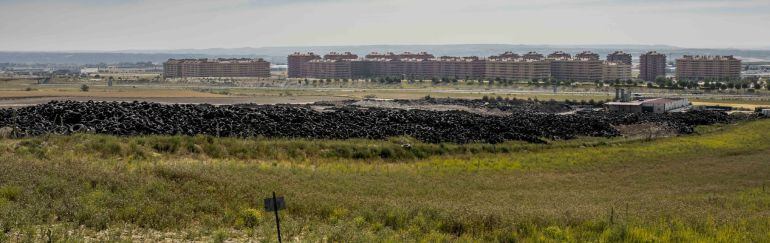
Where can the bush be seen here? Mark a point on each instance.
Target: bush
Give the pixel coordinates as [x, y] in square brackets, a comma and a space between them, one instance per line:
[84, 88]
[10, 193]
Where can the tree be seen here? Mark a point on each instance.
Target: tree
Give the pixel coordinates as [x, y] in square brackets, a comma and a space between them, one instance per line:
[84, 88]
[660, 81]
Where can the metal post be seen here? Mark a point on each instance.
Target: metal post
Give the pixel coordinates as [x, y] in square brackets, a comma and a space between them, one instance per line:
[277, 221]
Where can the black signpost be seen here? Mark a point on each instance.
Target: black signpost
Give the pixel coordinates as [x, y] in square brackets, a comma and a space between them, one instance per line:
[274, 204]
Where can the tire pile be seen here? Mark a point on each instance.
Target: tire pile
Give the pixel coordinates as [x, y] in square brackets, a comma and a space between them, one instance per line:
[506, 105]
[301, 121]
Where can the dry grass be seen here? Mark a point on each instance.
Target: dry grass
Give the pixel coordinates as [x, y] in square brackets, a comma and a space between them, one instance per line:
[695, 188]
[745, 104]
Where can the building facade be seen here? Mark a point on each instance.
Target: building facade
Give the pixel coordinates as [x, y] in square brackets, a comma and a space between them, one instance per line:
[619, 56]
[583, 67]
[517, 69]
[296, 61]
[328, 68]
[656, 105]
[405, 55]
[576, 69]
[461, 67]
[533, 56]
[651, 66]
[242, 67]
[506, 54]
[696, 68]
[587, 55]
[612, 71]
[340, 56]
[559, 55]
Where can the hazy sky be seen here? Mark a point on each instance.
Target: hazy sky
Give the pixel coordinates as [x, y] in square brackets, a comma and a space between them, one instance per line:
[178, 24]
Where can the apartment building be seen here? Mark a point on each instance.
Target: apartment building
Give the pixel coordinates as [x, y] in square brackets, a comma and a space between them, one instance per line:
[506, 54]
[619, 56]
[241, 67]
[517, 69]
[616, 70]
[405, 55]
[583, 67]
[559, 55]
[328, 68]
[296, 61]
[405, 65]
[340, 56]
[532, 56]
[708, 67]
[461, 67]
[384, 67]
[651, 66]
[587, 55]
[418, 56]
[421, 68]
[576, 69]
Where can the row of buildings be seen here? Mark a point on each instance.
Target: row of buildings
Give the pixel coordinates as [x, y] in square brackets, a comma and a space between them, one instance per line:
[695, 68]
[690, 68]
[582, 67]
[240, 67]
[585, 66]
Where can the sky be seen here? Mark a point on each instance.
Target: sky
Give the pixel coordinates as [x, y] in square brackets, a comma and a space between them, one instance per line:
[110, 25]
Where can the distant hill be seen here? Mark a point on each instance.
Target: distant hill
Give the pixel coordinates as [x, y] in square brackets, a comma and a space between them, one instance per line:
[82, 58]
[277, 55]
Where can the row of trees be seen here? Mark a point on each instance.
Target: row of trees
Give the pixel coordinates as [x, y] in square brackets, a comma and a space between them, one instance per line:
[710, 84]
[661, 82]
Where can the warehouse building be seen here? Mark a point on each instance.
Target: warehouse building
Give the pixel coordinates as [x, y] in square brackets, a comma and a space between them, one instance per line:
[657, 105]
[242, 67]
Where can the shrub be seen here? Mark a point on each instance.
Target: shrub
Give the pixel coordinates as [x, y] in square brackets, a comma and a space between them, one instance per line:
[10, 193]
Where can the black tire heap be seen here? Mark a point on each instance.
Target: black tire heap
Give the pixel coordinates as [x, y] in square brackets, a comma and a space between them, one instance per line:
[506, 105]
[299, 121]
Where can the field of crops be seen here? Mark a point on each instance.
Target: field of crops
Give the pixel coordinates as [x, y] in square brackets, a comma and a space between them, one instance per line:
[708, 186]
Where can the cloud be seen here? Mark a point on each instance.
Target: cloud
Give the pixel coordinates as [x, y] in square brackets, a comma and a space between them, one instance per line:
[172, 24]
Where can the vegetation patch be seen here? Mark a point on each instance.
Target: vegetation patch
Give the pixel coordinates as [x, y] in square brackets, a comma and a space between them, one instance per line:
[709, 186]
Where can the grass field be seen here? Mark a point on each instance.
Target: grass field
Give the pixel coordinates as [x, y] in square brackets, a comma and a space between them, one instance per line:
[713, 186]
[745, 104]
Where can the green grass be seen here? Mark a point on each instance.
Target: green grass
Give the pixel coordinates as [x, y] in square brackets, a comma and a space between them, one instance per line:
[712, 186]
